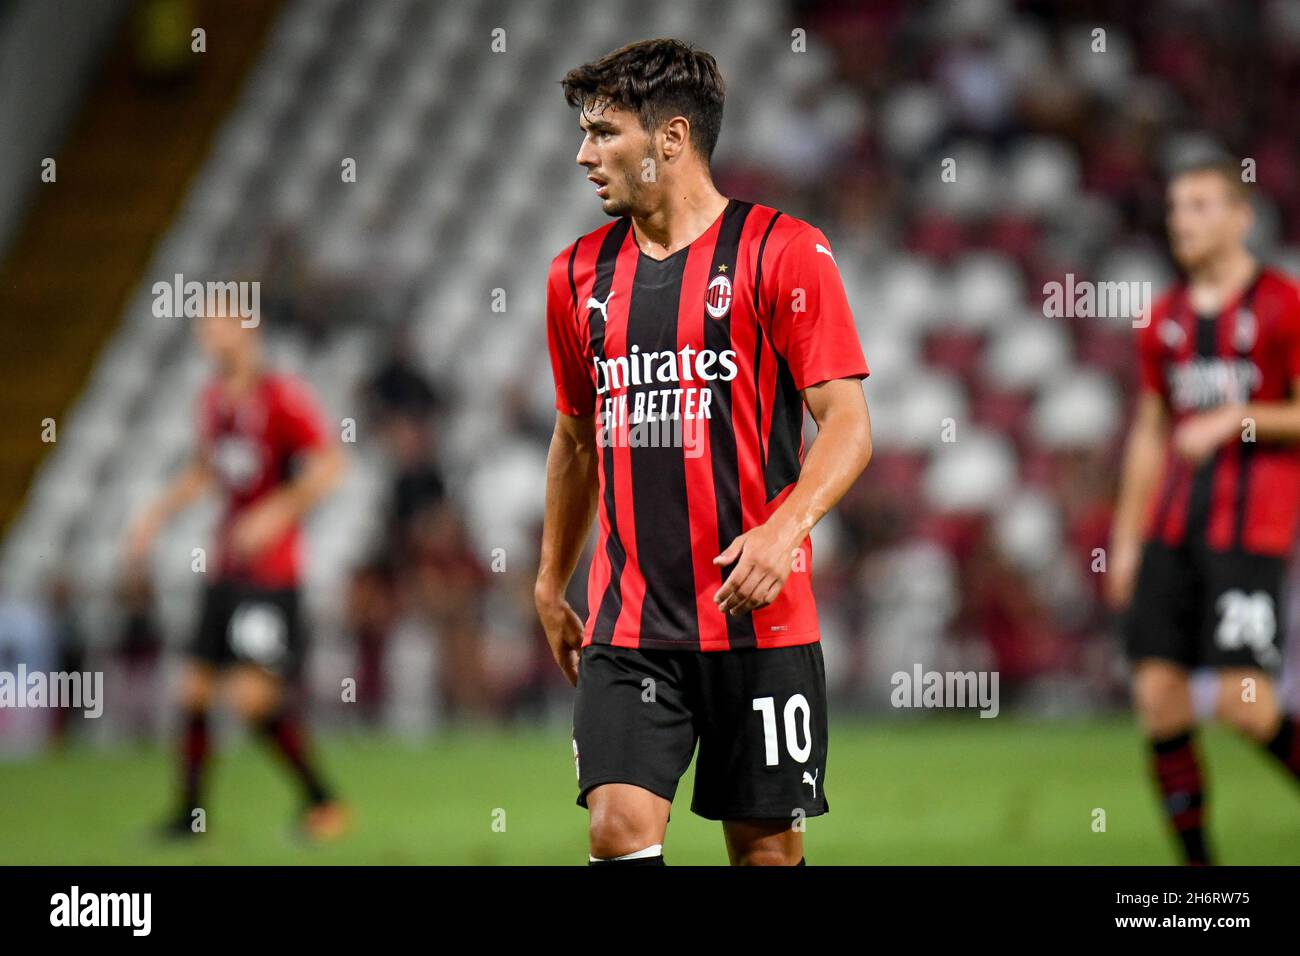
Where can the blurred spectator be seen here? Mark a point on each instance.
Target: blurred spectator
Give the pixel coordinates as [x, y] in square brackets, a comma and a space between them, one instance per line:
[372, 613]
[69, 650]
[139, 654]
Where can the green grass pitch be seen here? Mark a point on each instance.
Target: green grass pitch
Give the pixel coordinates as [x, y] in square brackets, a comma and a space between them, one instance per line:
[939, 791]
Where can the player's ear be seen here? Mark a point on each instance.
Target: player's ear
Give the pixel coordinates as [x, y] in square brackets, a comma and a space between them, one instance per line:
[674, 135]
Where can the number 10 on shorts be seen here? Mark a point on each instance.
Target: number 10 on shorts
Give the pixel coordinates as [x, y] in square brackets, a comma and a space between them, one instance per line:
[795, 707]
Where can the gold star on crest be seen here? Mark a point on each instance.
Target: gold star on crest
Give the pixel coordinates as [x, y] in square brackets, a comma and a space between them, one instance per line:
[722, 268]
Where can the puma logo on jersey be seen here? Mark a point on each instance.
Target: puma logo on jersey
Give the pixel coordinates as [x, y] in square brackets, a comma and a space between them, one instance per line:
[811, 780]
[594, 303]
[821, 248]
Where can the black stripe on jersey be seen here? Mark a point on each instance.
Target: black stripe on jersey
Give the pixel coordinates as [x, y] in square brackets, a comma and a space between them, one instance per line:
[1247, 454]
[611, 602]
[659, 503]
[1198, 501]
[779, 449]
[573, 286]
[723, 453]
[782, 465]
[758, 267]
[1173, 475]
[758, 345]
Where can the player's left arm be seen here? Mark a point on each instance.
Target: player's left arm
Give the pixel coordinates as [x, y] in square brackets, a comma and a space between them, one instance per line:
[320, 467]
[812, 328]
[1199, 436]
[834, 461]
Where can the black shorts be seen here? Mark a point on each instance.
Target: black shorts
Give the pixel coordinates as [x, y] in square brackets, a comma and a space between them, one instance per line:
[244, 624]
[759, 717]
[1203, 608]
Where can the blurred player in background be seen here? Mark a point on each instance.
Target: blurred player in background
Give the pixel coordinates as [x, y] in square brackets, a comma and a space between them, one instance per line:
[685, 338]
[1207, 511]
[262, 446]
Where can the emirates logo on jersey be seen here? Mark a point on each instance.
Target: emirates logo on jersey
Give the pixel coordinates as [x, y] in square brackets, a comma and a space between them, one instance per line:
[717, 299]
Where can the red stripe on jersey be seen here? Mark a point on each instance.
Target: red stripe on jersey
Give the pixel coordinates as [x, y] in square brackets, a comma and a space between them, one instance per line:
[1221, 523]
[744, 412]
[627, 632]
[1179, 474]
[701, 495]
[1176, 520]
[580, 267]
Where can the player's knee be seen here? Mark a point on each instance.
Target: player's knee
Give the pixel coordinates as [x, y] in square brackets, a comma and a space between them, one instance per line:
[1252, 718]
[1162, 699]
[196, 691]
[615, 830]
[253, 697]
[768, 854]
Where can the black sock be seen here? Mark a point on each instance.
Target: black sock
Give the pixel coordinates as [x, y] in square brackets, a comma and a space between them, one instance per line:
[639, 861]
[1178, 774]
[284, 733]
[1285, 745]
[194, 759]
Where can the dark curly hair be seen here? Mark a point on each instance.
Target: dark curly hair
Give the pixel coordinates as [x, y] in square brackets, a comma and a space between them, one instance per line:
[656, 79]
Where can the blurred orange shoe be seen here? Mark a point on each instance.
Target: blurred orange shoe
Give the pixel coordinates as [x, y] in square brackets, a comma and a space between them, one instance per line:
[325, 822]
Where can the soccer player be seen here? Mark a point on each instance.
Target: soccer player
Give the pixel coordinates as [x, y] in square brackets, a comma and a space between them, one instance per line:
[263, 447]
[686, 336]
[1208, 500]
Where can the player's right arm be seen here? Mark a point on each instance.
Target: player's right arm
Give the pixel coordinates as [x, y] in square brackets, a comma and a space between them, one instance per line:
[183, 490]
[571, 478]
[571, 489]
[1144, 456]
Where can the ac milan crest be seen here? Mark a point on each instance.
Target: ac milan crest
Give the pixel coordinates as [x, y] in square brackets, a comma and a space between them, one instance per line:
[718, 297]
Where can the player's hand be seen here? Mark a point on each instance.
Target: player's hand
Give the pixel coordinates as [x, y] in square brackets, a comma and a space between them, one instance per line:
[563, 633]
[1121, 574]
[259, 527]
[764, 557]
[1200, 435]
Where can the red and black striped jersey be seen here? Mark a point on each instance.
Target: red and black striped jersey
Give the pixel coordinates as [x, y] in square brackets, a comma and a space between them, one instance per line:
[692, 367]
[250, 443]
[1247, 496]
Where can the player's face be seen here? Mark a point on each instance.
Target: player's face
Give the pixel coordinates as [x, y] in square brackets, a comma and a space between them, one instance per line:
[1204, 218]
[614, 150]
[225, 340]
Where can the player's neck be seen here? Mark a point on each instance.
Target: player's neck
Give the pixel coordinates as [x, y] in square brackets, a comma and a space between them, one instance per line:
[1215, 282]
[241, 379]
[687, 212]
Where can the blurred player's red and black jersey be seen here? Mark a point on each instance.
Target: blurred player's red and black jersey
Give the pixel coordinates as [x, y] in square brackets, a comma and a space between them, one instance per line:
[692, 367]
[251, 443]
[1245, 498]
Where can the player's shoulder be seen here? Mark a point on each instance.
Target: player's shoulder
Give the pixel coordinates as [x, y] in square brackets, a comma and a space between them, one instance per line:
[288, 391]
[1161, 308]
[782, 235]
[576, 262]
[587, 241]
[1280, 287]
